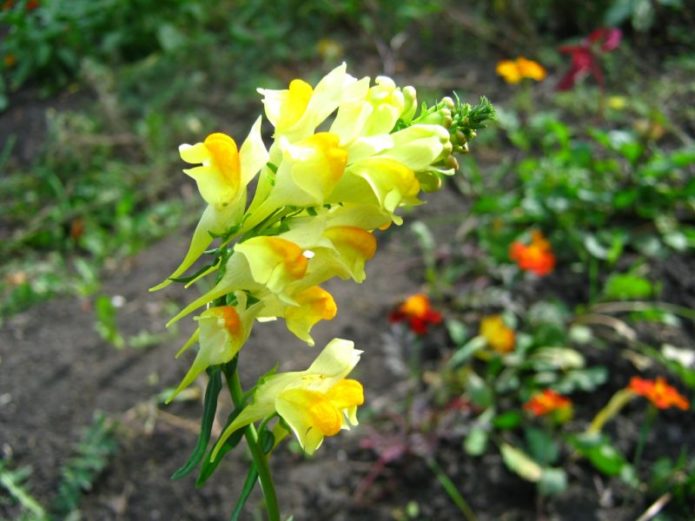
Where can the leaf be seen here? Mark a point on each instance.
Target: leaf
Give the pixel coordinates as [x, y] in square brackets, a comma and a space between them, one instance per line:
[564, 358]
[626, 286]
[508, 420]
[586, 379]
[553, 481]
[541, 445]
[209, 465]
[601, 453]
[478, 390]
[249, 484]
[266, 440]
[457, 331]
[520, 463]
[212, 392]
[467, 350]
[476, 441]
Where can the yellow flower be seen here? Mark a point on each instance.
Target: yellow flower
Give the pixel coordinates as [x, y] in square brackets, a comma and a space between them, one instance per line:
[311, 305]
[308, 172]
[221, 332]
[314, 403]
[497, 334]
[222, 178]
[296, 111]
[383, 182]
[258, 264]
[513, 71]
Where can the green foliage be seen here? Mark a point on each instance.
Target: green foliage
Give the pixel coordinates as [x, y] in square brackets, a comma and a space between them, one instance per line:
[13, 481]
[49, 42]
[91, 456]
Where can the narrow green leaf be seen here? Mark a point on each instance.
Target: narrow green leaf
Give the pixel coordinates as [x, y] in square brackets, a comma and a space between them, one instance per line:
[249, 483]
[209, 409]
[209, 465]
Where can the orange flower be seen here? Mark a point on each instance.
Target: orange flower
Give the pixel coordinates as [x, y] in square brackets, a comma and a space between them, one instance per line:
[548, 402]
[513, 71]
[660, 393]
[417, 311]
[536, 257]
[30, 5]
[496, 333]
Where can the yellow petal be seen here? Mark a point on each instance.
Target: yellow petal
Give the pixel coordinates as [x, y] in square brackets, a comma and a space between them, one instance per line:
[218, 178]
[314, 304]
[337, 359]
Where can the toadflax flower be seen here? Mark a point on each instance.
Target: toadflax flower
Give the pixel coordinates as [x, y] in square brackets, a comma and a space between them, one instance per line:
[221, 333]
[222, 174]
[536, 257]
[314, 403]
[659, 392]
[497, 334]
[514, 71]
[417, 311]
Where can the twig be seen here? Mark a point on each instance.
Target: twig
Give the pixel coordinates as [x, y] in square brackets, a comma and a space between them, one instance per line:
[655, 507]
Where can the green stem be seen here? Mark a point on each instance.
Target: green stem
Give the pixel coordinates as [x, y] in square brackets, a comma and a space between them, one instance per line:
[451, 490]
[259, 457]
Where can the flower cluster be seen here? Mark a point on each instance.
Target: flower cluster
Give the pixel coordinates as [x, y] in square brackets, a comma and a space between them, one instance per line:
[346, 156]
[417, 311]
[536, 257]
[514, 71]
[659, 393]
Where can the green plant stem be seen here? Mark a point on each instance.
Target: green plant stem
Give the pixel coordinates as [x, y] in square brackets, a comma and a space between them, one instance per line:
[451, 490]
[643, 435]
[259, 458]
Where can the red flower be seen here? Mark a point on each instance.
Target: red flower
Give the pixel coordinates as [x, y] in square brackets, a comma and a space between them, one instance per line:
[660, 393]
[584, 58]
[548, 402]
[416, 310]
[536, 257]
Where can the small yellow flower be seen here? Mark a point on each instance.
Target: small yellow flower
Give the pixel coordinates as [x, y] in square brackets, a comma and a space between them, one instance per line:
[221, 333]
[497, 334]
[513, 71]
[222, 177]
[314, 403]
[257, 265]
